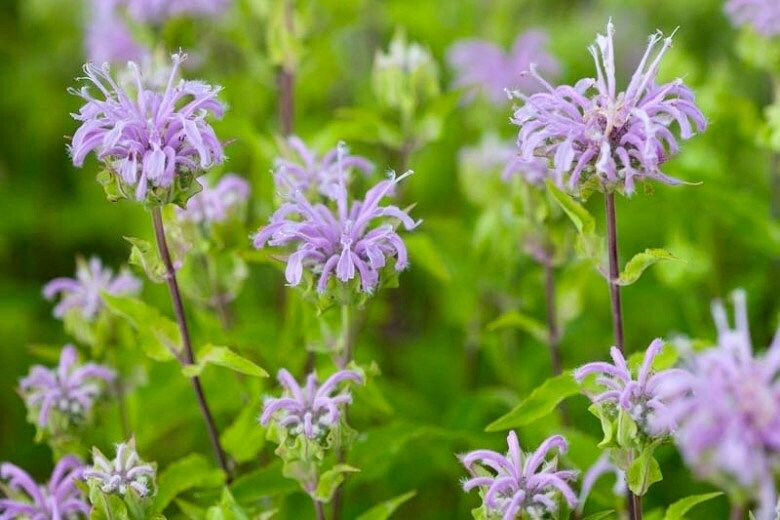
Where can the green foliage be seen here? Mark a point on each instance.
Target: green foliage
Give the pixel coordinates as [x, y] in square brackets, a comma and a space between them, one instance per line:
[678, 509]
[385, 510]
[541, 402]
[158, 336]
[193, 471]
[223, 357]
[641, 261]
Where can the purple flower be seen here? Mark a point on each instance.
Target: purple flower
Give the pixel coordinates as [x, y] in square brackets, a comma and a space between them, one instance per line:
[341, 241]
[59, 499]
[493, 154]
[763, 15]
[215, 204]
[311, 410]
[150, 138]
[323, 173]
[728, 412]
[126, 472]
[600, 468]
[644, 398]
[108, 38]
[481, 65]
[69, 389]
[158, 11]
[591, 128]
[523, 482]
[83, 291]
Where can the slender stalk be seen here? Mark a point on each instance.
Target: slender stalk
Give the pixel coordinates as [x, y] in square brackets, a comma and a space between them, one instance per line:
[188, 356]
[319, 509]
[121, 401]
[737, 512]
[344, 357]
[286, 82]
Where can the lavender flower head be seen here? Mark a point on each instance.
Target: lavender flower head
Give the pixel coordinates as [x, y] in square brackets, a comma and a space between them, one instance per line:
[592, 129]
[493, 154]
[215, 204]
[311, 410]
[59, 499]
[343, 241]
[762, 15]
[644, 398]
[83, 291]
[601, 467]
[523, 482]
[148, 137]
[126, 472]
[728, 412]
[158, 11]
[323, 173]
[483, 66]
[108, 38]
[69, 389]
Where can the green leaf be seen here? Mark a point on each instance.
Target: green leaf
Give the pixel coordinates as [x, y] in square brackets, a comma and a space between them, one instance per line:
[540, 403]
[422, 251]
[677, 510]
[518, 320]
[146, 257]
[583, 221]
[159, 336]
[384, 510]
[641, 261]
[643, 472]
[331, 480]
[602, 515]
[193, 471]
[226, 509]
[264, 482]
[626, 430]
[244, 439]
[223, 357]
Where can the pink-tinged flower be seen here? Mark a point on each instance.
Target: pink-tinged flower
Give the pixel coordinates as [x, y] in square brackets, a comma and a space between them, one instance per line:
[482, 66]
[728, 412]
[108, 37]
[762, 15]
[158, 11]
[346, 241]
[311, 171]
[70, 389]
[592, 129]
[644, 398]
[311, 410]
[601, 467]
[148, 136]
[83, 291]
[60, 499]
[215, 204]
[124, 473]
[527, 483]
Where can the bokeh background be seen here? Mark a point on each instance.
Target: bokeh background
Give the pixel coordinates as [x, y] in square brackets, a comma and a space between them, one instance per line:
[445, 376]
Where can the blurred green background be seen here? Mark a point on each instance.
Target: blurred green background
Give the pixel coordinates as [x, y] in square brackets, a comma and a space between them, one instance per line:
[444, 374]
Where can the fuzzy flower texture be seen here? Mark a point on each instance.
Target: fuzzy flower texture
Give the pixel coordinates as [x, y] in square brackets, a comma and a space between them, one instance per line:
[762, 15]
[59, 499]
[147, 137]
[215, 203]
[83, 291]
[310, 410]
[343, 241]
[69, 389]
[523, 482]
[728, 411]
[126, 472]
[591, 128]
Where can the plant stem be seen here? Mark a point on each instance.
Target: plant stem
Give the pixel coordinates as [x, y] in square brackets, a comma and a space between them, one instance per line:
[318, 509]
[344, 357]
[188, 357]
[286, 82]
[121, 401]
[737, 512]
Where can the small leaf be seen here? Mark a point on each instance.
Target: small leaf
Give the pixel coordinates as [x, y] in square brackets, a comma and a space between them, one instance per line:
[583, 221]
[331, 480]
[384, 510]
[540, 403]
[226, 358]
[422, 251]
[602, 515]
[145, 256]
[518, 320]
[264, 482]
[641, 261]
[159, 336]
[677, 510]
[626, 430]
[193, 471]
[643, 472]
[244, 438]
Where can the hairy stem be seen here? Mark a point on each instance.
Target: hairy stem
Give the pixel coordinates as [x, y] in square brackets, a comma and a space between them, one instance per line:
[188, 356]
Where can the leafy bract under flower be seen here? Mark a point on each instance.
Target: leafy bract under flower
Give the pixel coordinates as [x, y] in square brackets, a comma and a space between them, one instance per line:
[311, 410]
[482, 65]
[343, 241]
[591, 128]
[214, 204]
[59, 499]
[522, 482]
[124, 473]
[149, 136]
[83, 291]
[69, 389]
[762, 15]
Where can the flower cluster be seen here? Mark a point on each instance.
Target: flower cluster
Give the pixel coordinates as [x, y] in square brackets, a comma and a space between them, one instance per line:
[728, 412]
[523, 482]
[343, 241]
[59, 499]
[481, 65]
[214, 204]
[763, 15]
[645, 398]
[322, 173]
[108, 39]
[148, 138]
[591, 128]
[83, 292]
[312, 410]
[126, 472]
[69, 389]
